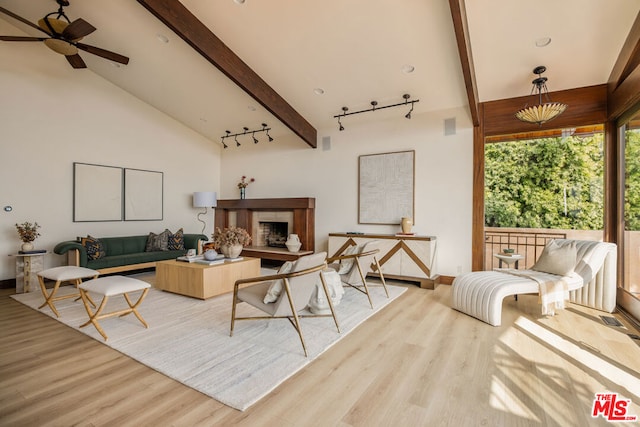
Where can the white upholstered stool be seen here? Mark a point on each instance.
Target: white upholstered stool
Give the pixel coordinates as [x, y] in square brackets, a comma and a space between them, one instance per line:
[59, 275]
[107, 287]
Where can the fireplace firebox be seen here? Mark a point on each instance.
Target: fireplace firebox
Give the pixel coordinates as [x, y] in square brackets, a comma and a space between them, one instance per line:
[272, 233]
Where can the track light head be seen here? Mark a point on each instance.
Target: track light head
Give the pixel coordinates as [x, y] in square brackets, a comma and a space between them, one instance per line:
[269, 136]
[253, 135]
[223, 144]
[408, 115]
[235, 138]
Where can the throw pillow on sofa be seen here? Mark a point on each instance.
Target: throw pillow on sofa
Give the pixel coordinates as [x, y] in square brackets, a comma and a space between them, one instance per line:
[95, 248]
[158, 242]
[176, 241]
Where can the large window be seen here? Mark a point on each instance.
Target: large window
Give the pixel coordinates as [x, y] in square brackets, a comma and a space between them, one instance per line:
[539, 187]
[631, 244]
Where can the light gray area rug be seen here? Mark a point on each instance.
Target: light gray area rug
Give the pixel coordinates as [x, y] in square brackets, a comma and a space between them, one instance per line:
[188, 339]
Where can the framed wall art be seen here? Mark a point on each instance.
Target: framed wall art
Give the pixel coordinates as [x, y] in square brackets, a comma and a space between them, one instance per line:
[386, 187]
[97, 193]
[143, 195]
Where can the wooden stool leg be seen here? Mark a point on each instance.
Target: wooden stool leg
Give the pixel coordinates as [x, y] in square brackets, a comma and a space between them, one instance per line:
[49, 297]
[77, 283]
[93, 316]
[135, 306]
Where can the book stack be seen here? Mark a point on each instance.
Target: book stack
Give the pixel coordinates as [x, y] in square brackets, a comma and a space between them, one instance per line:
[33, 251]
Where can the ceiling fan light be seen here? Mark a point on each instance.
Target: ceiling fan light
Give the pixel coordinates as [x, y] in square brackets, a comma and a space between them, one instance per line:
[539, 114]
[61, 47]
[58, 25]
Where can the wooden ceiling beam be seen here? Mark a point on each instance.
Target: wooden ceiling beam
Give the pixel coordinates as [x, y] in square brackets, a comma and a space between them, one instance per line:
[182, 22]
[623, 86]
[461, 28]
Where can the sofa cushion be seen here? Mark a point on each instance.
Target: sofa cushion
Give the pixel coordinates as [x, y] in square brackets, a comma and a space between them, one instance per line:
[158, 242]
[94, 248]
[176, 241]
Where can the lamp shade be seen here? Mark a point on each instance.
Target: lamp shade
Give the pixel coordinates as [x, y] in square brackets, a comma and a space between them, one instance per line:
[205, 199]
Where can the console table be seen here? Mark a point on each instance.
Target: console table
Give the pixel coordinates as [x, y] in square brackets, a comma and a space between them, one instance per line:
[410, 258]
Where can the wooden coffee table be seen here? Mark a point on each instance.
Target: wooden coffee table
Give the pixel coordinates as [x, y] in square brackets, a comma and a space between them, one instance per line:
[203, 281]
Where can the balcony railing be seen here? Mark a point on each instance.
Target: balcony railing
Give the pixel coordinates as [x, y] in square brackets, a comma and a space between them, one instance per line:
[526, 243]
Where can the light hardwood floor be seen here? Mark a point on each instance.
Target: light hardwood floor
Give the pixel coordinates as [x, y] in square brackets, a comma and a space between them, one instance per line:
[416, 363]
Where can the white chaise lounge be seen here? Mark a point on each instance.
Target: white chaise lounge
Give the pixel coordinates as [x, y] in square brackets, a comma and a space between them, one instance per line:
[593, 283]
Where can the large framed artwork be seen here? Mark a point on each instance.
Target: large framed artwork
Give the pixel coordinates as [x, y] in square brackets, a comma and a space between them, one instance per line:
[143, 195]
[386, 187]
[97, 193]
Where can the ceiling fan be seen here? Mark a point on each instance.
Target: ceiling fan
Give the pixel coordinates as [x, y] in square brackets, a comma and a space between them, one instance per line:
[64, 36]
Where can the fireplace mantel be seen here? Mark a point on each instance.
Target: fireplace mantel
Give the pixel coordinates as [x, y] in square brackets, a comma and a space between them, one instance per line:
[240, 212]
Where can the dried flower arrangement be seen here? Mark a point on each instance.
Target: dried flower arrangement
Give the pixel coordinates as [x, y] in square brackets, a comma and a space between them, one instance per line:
[230, 236]
[28, 232]
[243, 182]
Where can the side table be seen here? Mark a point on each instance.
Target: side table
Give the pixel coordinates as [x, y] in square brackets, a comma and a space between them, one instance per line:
[508, 259]
[27, 265]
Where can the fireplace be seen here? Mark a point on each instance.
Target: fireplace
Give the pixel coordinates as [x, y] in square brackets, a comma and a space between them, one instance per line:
[265, 220]
[272, 234]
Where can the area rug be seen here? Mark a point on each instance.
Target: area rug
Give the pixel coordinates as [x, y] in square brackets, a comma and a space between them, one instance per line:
[188, 339]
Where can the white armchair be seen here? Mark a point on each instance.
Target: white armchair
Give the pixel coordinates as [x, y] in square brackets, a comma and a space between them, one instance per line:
[353, 267]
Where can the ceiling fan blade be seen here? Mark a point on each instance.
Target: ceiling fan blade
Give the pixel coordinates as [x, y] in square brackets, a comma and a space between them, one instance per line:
[76, 61]
[21, 19]
[112, 56]
[22, 39]
[78, 29]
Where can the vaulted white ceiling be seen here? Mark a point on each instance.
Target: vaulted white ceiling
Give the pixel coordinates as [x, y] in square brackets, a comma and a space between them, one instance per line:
[355, 51]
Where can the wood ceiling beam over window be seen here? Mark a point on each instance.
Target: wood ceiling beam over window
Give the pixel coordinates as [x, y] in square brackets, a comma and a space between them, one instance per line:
[182, 22]
[461, 28]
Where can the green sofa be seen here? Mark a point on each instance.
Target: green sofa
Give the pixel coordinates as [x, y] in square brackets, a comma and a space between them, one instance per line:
[123, 253]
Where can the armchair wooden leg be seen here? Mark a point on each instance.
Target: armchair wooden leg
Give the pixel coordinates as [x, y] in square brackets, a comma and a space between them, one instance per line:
[364, 282]
[326, 292]
[296, 319]
[233, 310]
[384, 282]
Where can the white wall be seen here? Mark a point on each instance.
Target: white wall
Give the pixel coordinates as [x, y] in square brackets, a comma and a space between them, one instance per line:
[443, 202]
[52, 116]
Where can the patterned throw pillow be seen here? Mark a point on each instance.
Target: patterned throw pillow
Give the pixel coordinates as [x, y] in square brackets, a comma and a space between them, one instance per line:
[95, 248]
[158, 242]
[176, 241]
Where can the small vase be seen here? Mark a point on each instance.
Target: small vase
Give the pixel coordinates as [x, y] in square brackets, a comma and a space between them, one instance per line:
[242, 192]
[26, 246]
[406, 224]
[293, 243]
[231, 251]
[210, 254]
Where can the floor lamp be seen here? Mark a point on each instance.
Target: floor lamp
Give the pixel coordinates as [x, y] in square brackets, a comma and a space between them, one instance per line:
[204, 199]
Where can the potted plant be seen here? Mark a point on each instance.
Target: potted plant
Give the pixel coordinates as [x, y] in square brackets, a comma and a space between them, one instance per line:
[28, 233]
[231, 240]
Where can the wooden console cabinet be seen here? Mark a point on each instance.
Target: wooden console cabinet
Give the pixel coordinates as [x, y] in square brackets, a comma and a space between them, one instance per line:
[410, 258]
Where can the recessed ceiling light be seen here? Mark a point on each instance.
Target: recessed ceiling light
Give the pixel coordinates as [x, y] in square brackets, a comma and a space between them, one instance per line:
[251, 108]
[543, 41]
[203, 120]
[239, 1]
[162, 38]
[114, 64]
[318, 91]
[408, 68]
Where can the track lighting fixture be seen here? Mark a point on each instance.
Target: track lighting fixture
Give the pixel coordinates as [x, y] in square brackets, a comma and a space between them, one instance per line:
[374, 107]
[246, 131]
[264, 125]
